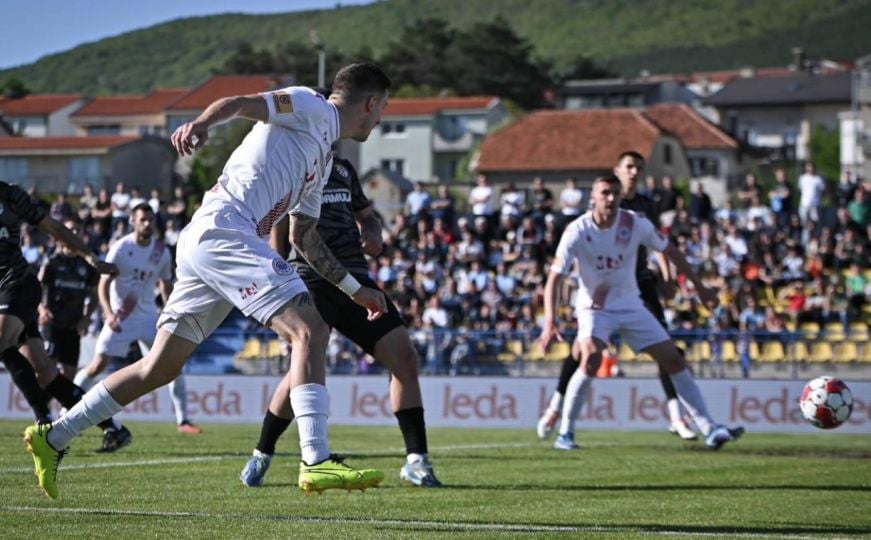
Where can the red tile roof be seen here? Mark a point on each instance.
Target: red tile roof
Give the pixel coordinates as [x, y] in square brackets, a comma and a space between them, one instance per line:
[568, 140]
[152, 103]
[64, 143]
[430, 106]
[223, 86]
[36, 104]
[689, 127]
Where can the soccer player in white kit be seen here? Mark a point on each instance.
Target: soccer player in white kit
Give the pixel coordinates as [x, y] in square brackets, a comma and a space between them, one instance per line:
[604, 244]
[223, 260]
[128, 305]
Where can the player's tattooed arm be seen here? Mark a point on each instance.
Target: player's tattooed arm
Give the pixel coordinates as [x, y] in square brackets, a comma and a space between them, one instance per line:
[306, 239]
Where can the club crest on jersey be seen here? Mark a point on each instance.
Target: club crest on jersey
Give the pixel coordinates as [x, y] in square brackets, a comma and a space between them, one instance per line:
[624, 227]
[283, 104]
[281, 267]
[341, 170]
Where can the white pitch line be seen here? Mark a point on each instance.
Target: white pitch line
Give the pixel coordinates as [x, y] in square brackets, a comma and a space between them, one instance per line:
[196, 459]
[398, 523]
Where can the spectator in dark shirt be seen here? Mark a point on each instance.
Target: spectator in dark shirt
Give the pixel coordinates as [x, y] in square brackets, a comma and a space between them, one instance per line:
[701, 208]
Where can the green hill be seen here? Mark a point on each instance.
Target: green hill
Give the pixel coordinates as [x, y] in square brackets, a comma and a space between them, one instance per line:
[625, 35]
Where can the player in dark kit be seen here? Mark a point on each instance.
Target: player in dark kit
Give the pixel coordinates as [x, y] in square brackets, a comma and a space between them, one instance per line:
[68, 281]
[20, 294]
[629, 168]
[343, 207]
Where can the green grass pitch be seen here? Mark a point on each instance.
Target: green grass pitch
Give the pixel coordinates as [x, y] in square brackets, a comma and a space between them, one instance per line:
[499, 484]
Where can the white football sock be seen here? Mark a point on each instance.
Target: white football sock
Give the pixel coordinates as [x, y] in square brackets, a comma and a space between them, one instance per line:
[556, 402]
[179, 394]
[310, 404]
[692, 399]
[94, 407]
[576, 395]
[674, 410]
[83, 380]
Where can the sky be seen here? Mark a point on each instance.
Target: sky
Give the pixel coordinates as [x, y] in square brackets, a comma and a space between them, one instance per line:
[34, 29]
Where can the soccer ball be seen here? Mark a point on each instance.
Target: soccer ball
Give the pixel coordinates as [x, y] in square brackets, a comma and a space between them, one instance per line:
[826, 402]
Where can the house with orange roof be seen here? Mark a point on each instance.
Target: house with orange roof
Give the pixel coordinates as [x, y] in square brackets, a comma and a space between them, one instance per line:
[127, 115]
[582, 144]
[40, 115]
[426, 138]
[66, 164]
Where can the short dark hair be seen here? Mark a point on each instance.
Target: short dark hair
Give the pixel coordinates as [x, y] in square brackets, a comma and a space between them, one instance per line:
[630, 153]
[607, 179]
[356, 82]
[143, 206]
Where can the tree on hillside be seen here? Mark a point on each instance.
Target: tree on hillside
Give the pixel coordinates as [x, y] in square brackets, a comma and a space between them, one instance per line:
[583, 67]
[825, 150]
[247, 61]
[420, 56]
[491, 59]
[14, 88]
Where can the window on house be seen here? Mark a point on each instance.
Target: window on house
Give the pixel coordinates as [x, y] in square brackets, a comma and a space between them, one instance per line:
[392, 129]
[666, 154]
[395, 165]
[104, 130]
[82, 170]
[14, 170]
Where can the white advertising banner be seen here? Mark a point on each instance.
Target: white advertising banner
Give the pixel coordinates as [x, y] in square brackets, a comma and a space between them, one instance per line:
[481, 402]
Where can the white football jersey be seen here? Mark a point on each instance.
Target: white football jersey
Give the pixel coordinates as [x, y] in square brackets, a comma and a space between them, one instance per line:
[139, 267]
[282, 164]
[606, 258]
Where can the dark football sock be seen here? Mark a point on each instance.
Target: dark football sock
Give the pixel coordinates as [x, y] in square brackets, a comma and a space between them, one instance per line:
[413, 429]
[570, 365]
[273, 427]
[24, 377]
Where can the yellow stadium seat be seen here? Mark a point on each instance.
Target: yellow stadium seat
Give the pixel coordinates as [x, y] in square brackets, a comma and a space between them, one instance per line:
[772, 351]
[250, 351]
[800, 352]
[730, 352]
[846, 351]
[835, 331]
[821, 352]
[558, 351]
[625, 353]
[273, 349]
[535, 353]
[859, 331]
[512, 352]
[810, 330]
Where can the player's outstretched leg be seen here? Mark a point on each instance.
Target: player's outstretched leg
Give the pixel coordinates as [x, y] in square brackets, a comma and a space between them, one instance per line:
[274, 425]
[668, 356]
[677, 424]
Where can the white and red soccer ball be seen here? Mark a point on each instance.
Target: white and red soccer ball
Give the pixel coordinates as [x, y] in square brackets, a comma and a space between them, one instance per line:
[826, 402]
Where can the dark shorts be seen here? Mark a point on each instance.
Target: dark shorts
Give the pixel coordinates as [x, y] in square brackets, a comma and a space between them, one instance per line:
[650, 297]
[62, 344]
[340, 312]
[22, 301]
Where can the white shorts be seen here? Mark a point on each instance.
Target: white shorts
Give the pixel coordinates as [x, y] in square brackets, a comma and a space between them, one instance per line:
[136, 328]
[637, 326]
[221, 264]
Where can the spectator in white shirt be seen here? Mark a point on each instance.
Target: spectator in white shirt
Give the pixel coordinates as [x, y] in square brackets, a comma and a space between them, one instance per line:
[120, 205]
[482, 198]
[571, 200]
[811, 186]
[417, 203]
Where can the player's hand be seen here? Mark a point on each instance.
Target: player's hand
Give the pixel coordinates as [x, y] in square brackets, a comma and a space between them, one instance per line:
[372, 243]
[373, 300]
[189, 137]
[548, 334]
[82, 326]
[45, 316]
[113, 322]
[708, 296]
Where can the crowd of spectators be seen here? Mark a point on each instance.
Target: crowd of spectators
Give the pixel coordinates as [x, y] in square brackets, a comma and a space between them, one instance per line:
[472, 272]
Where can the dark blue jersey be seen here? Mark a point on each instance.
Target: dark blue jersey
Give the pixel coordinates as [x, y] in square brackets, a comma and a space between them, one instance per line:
[343, 197]
[15, 208]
